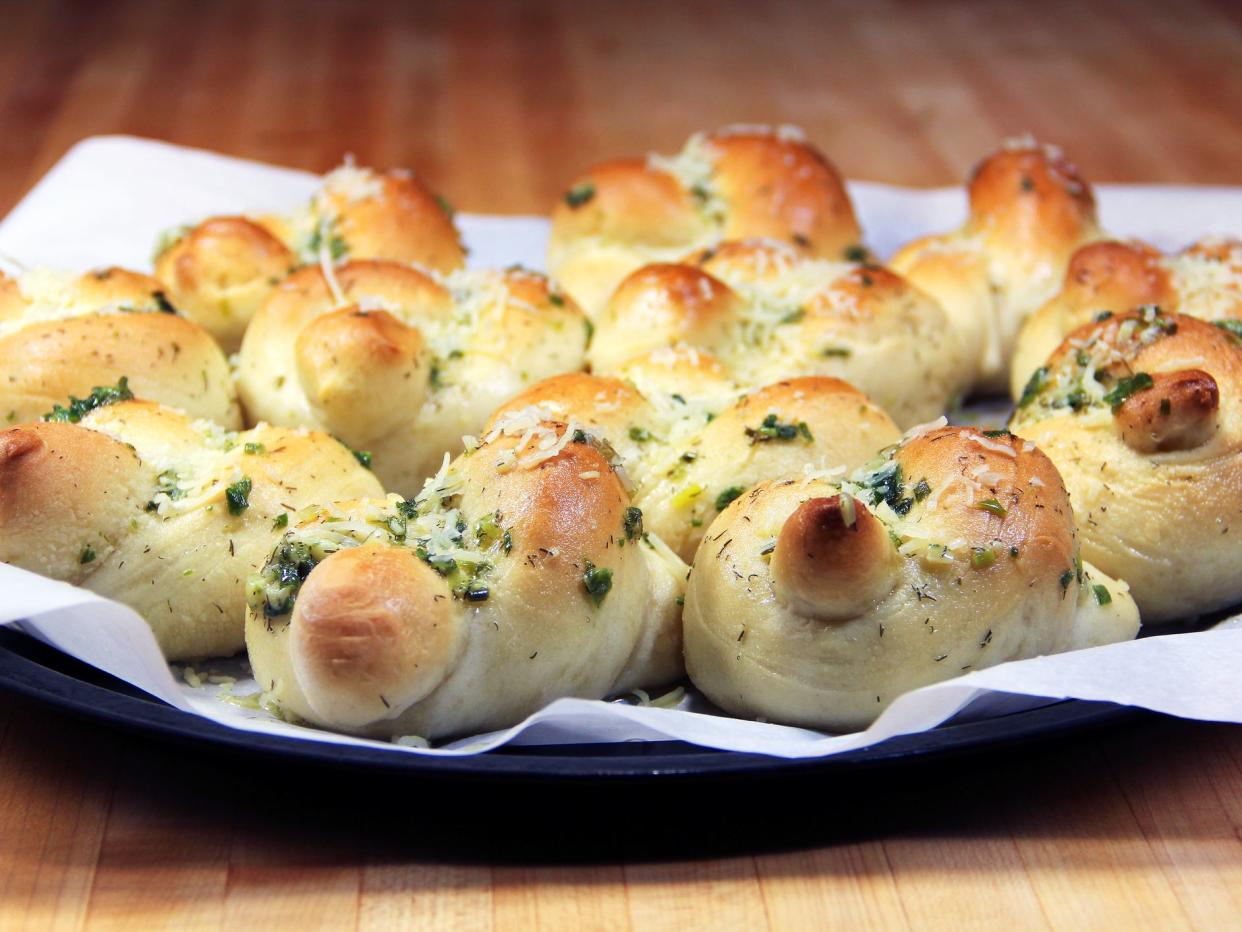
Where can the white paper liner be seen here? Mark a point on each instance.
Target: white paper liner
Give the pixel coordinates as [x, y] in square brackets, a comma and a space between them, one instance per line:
[107, 199]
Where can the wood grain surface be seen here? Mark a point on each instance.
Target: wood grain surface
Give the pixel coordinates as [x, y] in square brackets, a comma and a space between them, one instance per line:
[497, 104]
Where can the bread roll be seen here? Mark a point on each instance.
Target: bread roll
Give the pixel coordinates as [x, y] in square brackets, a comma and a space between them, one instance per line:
[400, 362]
[220, 271]
[691, 447]
[736, 183]
[816, 602]
[768, 312]
[1203, 280]
[1142, 414]
[168, 515]
[516, 577]
[1030, 210]
[63, 335]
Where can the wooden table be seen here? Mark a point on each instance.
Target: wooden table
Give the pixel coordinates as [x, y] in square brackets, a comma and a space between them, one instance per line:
[497, 105]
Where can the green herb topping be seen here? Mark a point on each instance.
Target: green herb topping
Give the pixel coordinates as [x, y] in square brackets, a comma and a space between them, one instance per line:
[640, 434]
[579, 194]
[633, 523]
[982, 557]
[88, 555]
[1034, 385]
[772, 429]
[238, 495]
[1102, 596]
[598, 582]
[1231, 327]
[99, 397]
[1126, 387]
[992, 506]
[728, 495]
[254, 449]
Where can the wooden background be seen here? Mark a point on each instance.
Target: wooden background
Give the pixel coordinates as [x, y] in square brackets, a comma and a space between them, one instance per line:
[497, 105]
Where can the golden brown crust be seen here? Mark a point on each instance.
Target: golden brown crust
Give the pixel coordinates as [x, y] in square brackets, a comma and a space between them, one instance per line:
[402, 222]
[373, 631]
[1177, 413]
[629, 203]
[784, 189]
[832, 559]
[743, 182]
[497, 653]
[766, 312]
[1203, 280]
[690, 454]
[1029, 211]
[1028, 193]
[419, 362]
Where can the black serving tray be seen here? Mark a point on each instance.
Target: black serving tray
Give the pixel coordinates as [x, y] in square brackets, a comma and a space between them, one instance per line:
[33, 669]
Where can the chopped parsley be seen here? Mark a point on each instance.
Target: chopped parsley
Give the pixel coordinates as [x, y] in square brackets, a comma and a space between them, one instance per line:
[555, 299]
[100, 396]
[238, 495]
[724, 499]
[337, 247]
[885, 485]
[580, 194]
[598, 582]
[640, 434]
[921, 490]
[282, 521]
[856, 253]
[843, 352]
[772, 429]
[1066, 578]
[88, 555]
[992, 506]
[1034, 385]
[1231, 327]
[274, 588]
[254, 449]
[1102, 595]
[1102, 316]
[982, 557]
[363, 457]
[633, 523]
[1126, 387]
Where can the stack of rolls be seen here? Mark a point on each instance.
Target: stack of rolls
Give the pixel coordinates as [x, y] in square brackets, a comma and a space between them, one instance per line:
[738, 182]
[63, 335]
[219, 271]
